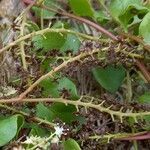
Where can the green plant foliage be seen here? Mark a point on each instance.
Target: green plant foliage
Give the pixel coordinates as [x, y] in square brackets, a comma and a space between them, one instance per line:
[110, 77]
[44, 13]
[55, 88]
[43, 112]
[145, 98]
[50, 88]
[49, 41]
[144, 28]
[81, 7]
[37, 130]
[72, 43]
[126, 11]
[68, 85]
[58, 110]
[63, 112]
[9, 128]
[71, 144]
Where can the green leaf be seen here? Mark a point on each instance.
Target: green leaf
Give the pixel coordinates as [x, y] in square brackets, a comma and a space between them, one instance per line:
[55, 88]
[145, 98]
[49, 41]
[59, 110]
[144, 28]
[9, 128]
[67, 84]
[50, 88]
[110, 77]
[81, 7]
[43, 112]
[71, 144]
[63, 112]
[72, 43]
[37, 130]
[125, 11]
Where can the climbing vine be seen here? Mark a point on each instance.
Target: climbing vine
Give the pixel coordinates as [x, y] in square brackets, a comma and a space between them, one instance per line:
[74, 71]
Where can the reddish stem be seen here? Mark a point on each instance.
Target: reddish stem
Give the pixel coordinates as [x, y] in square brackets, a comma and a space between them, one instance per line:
[137, 137]
[143, 69]
[83, 20]
[28, 1]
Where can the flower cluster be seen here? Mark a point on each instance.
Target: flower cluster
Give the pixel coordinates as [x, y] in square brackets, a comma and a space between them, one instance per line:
[44, 142]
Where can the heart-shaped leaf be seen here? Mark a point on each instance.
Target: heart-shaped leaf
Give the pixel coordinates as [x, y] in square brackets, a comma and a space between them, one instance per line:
[110, 77]
[9, 128]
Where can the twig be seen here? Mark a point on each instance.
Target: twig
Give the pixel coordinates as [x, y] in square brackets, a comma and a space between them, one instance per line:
[114, 113]
[139, 136]
[119, 136]
[22, 50]
[129, 88]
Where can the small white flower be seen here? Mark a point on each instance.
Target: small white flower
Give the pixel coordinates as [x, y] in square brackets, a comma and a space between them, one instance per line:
[58, 131]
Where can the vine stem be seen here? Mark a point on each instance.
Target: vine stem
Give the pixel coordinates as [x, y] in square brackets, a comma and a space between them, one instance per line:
[118, 136]
[41, 32]
[83, 20]
[122, 136]
[22, 50]
[56, 69]
[35, 119]
[114, 113]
